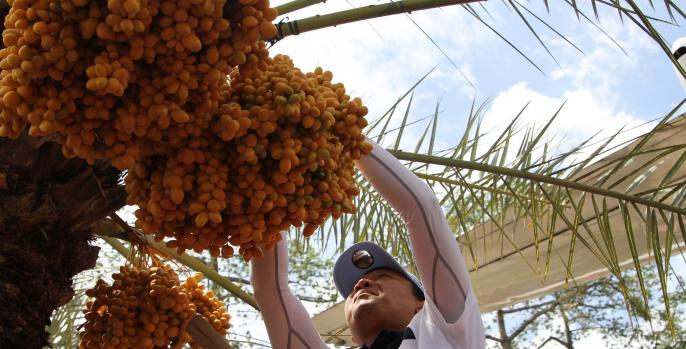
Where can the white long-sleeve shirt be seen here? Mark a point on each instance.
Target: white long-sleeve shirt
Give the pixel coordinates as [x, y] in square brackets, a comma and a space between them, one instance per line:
[450, 317]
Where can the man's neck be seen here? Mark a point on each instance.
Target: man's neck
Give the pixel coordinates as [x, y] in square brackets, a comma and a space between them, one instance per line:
[385, 339]
[388, 325]
[369, 339]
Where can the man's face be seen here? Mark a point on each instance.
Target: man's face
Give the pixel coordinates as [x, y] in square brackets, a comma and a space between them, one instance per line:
[381, 299]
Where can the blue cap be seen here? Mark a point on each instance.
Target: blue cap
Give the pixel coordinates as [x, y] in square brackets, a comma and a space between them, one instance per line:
[359, 260]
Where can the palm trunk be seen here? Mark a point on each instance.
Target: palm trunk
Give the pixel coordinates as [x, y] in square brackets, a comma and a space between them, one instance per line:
[48, 208]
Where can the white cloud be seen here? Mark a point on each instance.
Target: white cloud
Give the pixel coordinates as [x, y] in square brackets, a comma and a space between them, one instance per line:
[583, 115]
[595, 100]
[606, 66]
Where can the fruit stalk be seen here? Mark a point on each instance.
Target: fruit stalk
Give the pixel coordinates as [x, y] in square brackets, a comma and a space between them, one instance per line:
[296, 27]
[296, 5]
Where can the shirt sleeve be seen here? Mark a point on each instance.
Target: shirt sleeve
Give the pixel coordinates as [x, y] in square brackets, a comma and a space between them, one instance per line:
[435, 250]
[466, 333]
[288, 324]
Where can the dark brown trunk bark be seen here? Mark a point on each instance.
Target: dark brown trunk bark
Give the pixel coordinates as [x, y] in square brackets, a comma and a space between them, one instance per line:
[48, 208]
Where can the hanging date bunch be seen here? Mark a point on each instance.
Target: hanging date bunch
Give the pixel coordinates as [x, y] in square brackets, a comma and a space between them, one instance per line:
[148, 308]
[295, 164]
[280, 154]
[223, 145]
[208, 305]
[114, 77]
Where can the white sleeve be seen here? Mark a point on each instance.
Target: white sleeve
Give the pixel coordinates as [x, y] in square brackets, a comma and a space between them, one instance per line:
[434, 247]
[466, 333]
[288, 324]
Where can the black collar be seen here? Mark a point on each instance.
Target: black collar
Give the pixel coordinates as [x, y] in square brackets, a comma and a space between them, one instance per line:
[390, 339]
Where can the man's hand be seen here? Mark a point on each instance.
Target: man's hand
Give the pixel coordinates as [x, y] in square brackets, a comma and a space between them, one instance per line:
[204, 334]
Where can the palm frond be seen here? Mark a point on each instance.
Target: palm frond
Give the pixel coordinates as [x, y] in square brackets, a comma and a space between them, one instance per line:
[442, 51]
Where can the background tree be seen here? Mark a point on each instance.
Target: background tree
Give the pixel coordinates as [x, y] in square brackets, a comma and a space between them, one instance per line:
[564, 318]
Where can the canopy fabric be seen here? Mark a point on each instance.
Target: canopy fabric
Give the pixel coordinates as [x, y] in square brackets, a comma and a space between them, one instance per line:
[508, 266]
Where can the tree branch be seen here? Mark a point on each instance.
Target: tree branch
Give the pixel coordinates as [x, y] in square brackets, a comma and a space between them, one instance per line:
[611, 306]
[551, 338]
[528, 307]
[314, 299]
[533, 318]
[568, 333]
[501, 326]
[488, 336]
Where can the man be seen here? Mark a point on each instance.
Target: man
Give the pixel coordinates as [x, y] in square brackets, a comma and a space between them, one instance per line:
[385, 307]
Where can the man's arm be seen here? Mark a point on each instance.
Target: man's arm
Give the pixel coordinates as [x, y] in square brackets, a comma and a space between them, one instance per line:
[288, 324]
[434, 247]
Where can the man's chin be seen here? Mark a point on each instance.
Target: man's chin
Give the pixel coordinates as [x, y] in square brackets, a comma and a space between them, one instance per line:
[365, 308]
[366, 317]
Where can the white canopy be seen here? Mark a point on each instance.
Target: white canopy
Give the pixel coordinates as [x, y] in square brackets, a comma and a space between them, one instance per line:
[499, 271]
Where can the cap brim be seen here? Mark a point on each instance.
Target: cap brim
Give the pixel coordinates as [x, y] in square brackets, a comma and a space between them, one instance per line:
[346, 274]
